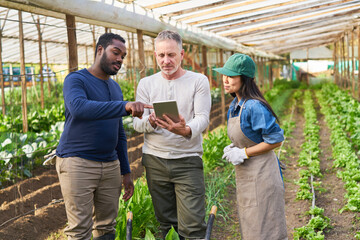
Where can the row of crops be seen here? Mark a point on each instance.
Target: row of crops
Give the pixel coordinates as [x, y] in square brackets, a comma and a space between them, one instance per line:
[309, 161]
[342, 116]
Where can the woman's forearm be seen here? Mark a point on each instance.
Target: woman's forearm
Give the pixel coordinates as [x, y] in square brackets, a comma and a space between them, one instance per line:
[261, 148]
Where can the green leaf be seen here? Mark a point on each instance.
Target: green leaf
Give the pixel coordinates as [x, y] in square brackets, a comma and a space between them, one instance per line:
[172, 235]
[149, 235]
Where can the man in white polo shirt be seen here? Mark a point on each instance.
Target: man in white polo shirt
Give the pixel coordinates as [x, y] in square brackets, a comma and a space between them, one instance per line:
[172, 151]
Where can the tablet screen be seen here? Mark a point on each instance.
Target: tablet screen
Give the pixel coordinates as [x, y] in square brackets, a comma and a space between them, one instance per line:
[168, 107]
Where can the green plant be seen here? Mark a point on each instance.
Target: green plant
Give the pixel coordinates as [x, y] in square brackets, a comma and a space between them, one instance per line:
[141, 206]
[213, 146]
[20, 153]
[315, 227]
[332, 102]
[171, 235]
[217, 183]
[278, 96]
[127, 89]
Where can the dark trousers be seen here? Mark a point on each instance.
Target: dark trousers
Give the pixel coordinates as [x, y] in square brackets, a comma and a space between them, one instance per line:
[178, 192]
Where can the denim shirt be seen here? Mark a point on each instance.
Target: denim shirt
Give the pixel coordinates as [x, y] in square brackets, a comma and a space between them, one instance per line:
[257, 122]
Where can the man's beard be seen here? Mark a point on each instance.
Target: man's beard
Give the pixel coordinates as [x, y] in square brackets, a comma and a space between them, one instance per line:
[172, 71]
[106, 65]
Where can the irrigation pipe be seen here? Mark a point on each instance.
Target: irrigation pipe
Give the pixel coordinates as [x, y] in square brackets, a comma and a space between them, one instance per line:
[313, 193]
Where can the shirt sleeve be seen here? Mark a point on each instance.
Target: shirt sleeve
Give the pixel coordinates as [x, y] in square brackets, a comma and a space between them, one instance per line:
[263, 122]
[202, 107]
[121, 149]
[143, 125]
[80, 107]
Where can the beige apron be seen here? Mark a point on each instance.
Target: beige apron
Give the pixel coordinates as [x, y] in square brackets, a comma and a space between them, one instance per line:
[259, 191]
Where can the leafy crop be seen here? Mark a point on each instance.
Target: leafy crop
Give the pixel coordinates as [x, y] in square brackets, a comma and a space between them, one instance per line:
[344, 154]
[314, 229]
[309, 160]
[141, 206]
[40, 120]
[214, 145]
[127, 89]
[171, 235]
[20, 152]
[309, 155]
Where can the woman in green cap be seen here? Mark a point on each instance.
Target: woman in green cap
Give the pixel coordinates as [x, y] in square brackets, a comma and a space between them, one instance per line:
[254, 133]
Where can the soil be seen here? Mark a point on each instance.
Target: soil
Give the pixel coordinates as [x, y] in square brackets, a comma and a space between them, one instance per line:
[33, 208]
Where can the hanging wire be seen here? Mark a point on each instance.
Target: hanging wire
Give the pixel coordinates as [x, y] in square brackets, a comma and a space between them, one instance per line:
[55, 201]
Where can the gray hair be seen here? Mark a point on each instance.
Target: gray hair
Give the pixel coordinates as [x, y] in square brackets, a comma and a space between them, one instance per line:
[168, 34]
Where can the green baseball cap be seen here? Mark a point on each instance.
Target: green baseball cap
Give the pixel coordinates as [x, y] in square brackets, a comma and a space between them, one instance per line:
[238, 64]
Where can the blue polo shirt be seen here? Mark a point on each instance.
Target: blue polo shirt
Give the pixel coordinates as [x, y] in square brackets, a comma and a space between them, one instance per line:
[257, 122]
[93, 120]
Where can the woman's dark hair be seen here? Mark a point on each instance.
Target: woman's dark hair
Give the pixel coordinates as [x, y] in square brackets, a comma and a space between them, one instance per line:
[249, 90]
[106, 39]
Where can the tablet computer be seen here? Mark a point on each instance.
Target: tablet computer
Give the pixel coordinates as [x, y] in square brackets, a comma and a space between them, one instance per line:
[168, 107]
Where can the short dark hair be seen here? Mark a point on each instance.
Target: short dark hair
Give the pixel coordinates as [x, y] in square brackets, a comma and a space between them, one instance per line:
[106, 39]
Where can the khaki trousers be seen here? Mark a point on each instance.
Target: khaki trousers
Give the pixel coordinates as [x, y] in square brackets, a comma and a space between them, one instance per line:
[177, 189]
[91, 192]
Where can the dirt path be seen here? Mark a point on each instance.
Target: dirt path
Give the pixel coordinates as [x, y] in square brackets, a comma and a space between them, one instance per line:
[294, 209]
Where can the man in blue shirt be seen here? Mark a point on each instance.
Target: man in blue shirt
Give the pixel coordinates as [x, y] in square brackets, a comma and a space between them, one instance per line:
[92, 152]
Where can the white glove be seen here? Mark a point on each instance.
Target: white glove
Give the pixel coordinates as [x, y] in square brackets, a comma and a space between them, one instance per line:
[235, 155]
[228, 147]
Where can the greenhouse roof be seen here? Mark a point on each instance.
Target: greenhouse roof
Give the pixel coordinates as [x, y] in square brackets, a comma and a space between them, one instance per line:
[258, 27]
[277, 26]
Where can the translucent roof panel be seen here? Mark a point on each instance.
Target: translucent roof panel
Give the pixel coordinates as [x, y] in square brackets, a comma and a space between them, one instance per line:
[54, 38]
[258, 22]
[256, 26]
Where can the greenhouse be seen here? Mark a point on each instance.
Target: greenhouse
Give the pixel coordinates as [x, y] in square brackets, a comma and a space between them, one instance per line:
[306, 55]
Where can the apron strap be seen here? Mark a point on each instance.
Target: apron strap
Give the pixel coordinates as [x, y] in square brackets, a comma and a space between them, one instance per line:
[241, 108]
[231, 114]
